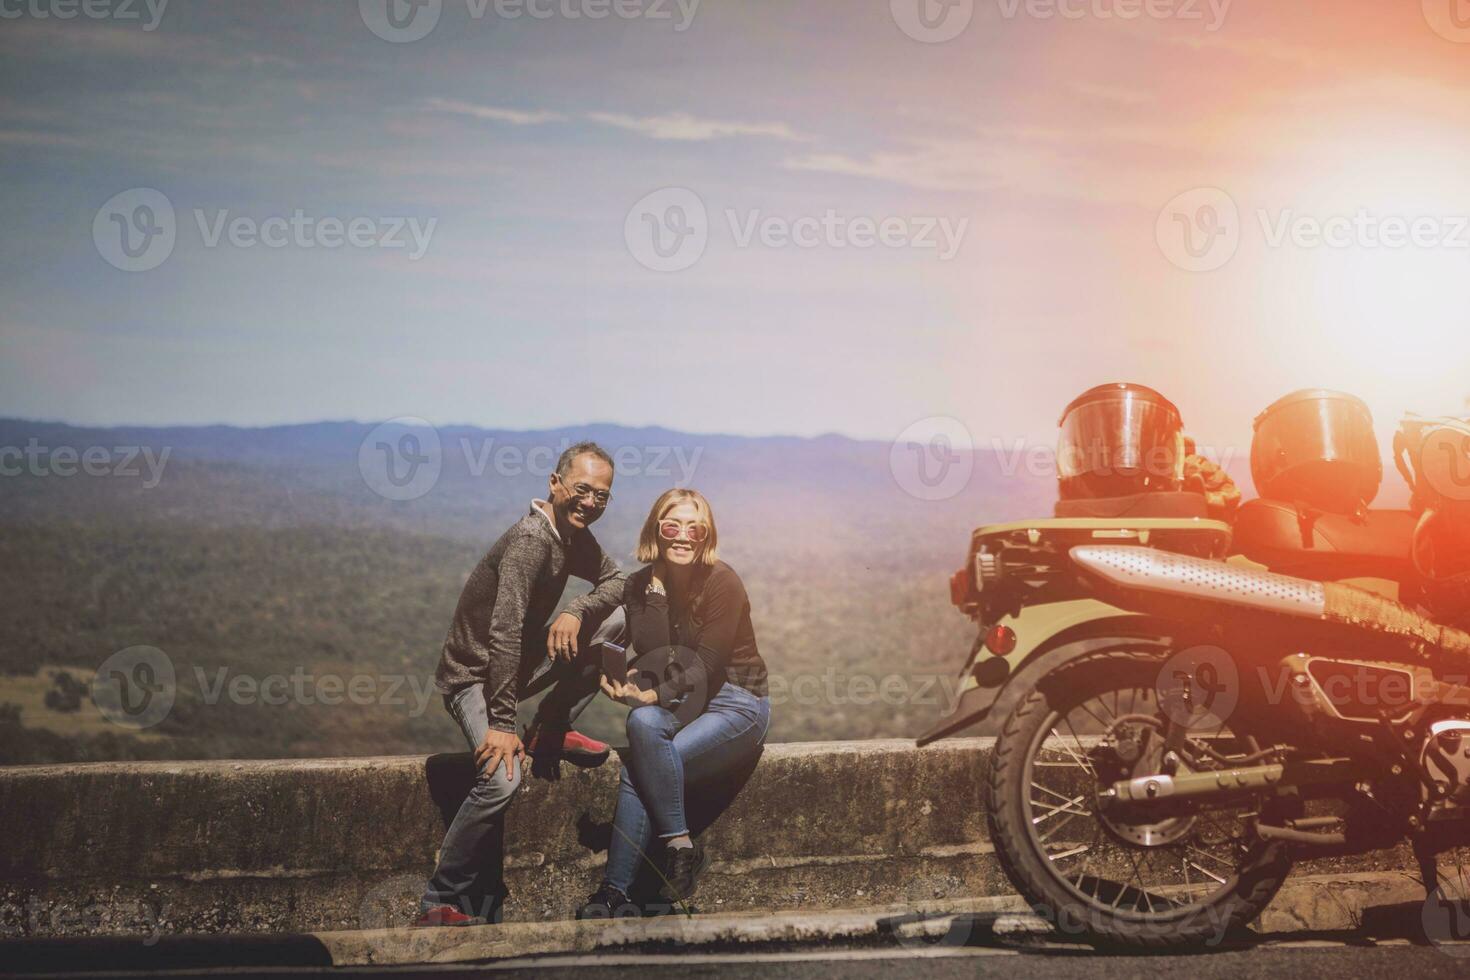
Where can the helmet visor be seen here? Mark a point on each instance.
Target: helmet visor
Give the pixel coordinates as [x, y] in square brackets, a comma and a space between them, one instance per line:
[1120, 445]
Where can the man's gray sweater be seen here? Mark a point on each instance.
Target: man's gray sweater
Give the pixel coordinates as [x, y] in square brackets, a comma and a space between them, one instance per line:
[507, 601]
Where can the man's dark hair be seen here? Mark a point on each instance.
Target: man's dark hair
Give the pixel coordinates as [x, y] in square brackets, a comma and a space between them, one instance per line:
[564, 464]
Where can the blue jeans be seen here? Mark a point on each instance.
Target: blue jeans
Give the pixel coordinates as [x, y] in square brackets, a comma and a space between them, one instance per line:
[665, 758]
[477, 826]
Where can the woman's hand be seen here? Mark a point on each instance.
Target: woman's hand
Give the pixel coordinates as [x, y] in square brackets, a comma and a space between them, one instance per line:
[628, 693]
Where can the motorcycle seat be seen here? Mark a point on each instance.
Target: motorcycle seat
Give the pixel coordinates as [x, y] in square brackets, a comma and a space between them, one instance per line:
[1160, 504]
[1299, 540]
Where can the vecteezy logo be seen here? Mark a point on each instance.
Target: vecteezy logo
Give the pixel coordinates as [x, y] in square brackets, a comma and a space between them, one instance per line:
[667, 231]
[135, 230]
[136, 687]
[1199, 688]
[400, 21]
[932, 21]
[1446, 916]
[1199, 230]
[1445, 457]
[401, 458]
[1450, 19]
[933, 458]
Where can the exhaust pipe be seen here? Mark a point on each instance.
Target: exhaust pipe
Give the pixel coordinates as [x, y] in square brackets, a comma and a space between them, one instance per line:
[1201, 579]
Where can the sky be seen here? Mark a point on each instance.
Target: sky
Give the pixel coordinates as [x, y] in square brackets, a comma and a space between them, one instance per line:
[756, 218]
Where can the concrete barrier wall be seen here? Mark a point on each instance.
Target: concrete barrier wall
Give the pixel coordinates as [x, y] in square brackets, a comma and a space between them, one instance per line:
[342, 843]
[297, 846]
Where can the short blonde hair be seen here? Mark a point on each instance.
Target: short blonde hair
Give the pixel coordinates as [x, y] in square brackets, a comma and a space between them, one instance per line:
[667, 501]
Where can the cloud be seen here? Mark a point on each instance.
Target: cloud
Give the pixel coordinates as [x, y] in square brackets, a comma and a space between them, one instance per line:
[55, 41]
[23, 137]
[682, 126]
[1267, 48]
[673, 126]
[29, 37]
[1116, 95]
[515, 117]
[931, 164]
[1049, 163]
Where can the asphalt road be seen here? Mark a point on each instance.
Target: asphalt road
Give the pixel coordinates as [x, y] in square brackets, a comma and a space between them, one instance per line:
[1268, 961]
[1262, 963]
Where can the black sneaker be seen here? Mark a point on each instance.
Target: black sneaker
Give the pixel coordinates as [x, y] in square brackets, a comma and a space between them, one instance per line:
[608, 903]
[682, 868]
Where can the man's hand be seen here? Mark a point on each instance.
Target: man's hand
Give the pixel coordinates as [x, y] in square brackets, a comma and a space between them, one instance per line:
[561, 639]
[629, 693]
[497, 746]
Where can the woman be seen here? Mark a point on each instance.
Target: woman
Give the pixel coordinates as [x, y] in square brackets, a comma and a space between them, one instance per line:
[685, 598]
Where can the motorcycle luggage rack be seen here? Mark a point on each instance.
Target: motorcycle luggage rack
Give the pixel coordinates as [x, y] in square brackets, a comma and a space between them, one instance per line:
[1028, 554]
[1191, 536]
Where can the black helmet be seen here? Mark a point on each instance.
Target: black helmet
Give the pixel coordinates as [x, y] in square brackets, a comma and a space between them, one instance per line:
[1117, 440]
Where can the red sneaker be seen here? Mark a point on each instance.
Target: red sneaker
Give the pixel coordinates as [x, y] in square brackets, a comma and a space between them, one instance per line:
[445, 915]
[575, 747]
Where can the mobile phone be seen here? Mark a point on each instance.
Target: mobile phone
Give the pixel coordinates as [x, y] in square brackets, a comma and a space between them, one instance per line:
[615, 662]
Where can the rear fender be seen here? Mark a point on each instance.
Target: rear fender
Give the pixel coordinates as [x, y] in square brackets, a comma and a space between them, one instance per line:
[1047, 636]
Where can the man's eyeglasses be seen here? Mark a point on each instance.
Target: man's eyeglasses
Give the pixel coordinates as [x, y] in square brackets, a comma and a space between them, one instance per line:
[669, 530]
[582, 491]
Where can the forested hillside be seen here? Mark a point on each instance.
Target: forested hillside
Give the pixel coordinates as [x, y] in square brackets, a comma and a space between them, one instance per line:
[265, 567]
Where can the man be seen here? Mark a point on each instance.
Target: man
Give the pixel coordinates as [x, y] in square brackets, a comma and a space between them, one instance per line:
[498, 650]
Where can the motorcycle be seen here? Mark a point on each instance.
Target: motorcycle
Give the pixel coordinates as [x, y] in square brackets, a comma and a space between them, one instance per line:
[1183, 708]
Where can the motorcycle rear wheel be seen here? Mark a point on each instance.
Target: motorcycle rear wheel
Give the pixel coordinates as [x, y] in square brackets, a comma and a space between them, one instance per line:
[1211, 875]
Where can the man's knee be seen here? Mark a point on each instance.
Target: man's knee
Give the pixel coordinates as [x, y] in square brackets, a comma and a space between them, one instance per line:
[650, 721]
[493, 789]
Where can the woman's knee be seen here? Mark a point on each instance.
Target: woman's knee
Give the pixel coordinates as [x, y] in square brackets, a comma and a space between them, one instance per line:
[649, 721]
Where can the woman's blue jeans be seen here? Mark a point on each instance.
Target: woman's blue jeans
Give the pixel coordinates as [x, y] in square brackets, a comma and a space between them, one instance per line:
[664, 759]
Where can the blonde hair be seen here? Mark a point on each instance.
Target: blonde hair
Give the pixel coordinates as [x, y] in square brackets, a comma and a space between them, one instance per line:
[667, 501]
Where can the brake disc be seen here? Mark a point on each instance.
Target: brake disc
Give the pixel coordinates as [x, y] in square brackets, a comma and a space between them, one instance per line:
[1136, 743]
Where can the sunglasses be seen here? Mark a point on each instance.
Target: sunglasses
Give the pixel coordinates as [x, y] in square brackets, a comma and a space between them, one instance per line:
[582, 491]
[669, 530]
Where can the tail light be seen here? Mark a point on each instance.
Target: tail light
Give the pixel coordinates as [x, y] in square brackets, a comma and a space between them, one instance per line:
[1000, 640]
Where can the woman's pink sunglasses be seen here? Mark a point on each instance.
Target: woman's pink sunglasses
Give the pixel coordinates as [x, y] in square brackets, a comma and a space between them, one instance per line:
[669, 530]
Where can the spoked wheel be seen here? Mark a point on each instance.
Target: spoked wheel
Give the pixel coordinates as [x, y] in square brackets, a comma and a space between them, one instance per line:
[1155, 873]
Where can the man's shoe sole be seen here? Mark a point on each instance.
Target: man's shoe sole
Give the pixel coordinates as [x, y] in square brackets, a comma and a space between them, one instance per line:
[446, 925]
[587, 760]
